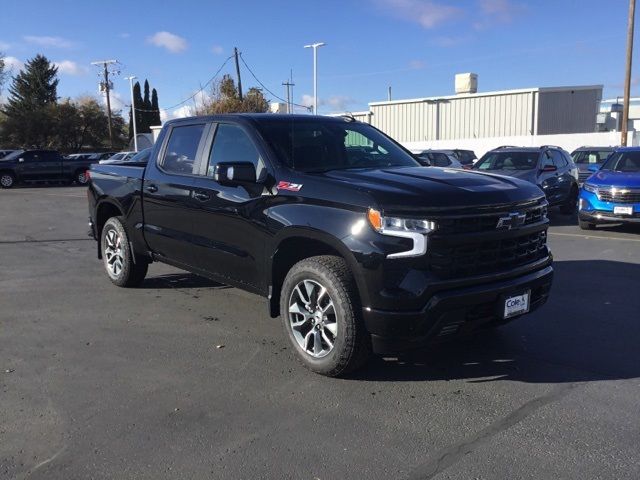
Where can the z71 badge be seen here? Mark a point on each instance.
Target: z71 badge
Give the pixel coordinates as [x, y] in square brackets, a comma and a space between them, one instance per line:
[292, 187]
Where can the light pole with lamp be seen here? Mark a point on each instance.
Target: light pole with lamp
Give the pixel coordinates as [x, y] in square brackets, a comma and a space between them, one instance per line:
[315, 47]
[133, 113]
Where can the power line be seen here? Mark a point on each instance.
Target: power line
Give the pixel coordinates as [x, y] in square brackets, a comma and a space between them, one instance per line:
[192, 96]
[265, 87]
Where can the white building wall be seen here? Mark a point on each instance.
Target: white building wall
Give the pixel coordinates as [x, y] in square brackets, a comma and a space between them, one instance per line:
[569, 142]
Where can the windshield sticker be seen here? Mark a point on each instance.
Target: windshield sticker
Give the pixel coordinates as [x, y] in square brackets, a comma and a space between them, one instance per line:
[292, 187]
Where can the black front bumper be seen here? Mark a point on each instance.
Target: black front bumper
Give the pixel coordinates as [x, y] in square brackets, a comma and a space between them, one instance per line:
[452, 312]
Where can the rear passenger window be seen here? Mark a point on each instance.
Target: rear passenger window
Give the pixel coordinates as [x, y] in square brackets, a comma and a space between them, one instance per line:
[558, 159]
[182, 148]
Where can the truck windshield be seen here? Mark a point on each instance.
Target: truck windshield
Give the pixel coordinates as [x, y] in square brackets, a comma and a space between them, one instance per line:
[318, 146]
[508, 161]
[623, 162]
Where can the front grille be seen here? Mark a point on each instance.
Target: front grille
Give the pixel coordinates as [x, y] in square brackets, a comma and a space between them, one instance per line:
[484, 222]
[488, 256]
[619, 195]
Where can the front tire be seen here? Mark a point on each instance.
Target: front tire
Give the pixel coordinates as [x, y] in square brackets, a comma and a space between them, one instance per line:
[569, 206]
[586, 225]
[7, 180]
[118, 257]
[322, 316]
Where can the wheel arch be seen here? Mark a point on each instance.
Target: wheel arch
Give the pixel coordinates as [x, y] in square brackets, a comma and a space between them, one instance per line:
[295, 245]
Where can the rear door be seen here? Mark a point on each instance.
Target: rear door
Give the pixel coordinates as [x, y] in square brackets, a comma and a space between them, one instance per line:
[167, 192]
[548, 180]
[229, 222]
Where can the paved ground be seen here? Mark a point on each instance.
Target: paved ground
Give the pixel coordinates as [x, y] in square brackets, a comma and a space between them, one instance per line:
[101, 382]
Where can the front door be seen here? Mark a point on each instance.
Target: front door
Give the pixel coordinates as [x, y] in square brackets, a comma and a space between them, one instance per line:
[229, 227]
[40, 165]
[549, 180]
[167, 192]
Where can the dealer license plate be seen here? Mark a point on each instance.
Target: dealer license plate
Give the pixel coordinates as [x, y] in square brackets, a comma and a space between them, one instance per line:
[623, 210]
[517, 304]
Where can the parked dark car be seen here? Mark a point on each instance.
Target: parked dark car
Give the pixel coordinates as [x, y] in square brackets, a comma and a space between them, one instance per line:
[549, 167]
[4, 153]
[586, 157]
[466, 157]
[41, 165]
[438, 158]
[359, 249]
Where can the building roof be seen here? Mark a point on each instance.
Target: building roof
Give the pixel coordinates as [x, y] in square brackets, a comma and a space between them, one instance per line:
[490, 94]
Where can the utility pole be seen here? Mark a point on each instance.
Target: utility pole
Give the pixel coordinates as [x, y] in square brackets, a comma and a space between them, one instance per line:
[235, 53]
[106, 87]
[315, 47]
[627, 80]
[133, 113]
[288, 84]
[389, 94]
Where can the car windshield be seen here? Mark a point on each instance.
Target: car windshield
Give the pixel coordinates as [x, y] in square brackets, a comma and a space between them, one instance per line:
[315, 145]
[117, 156]
[623, 162]
[13, 155]
[141, 157]
[508, 161]
[590, 157]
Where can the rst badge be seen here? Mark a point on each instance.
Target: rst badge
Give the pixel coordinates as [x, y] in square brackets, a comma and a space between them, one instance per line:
[291, 187]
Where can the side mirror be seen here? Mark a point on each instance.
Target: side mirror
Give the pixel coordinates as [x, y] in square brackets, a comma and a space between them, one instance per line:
[549, 168]
[593, 168]
[235, 173]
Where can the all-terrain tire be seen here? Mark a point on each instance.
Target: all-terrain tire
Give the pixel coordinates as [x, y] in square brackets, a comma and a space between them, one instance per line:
[117, 256]
[351, 345]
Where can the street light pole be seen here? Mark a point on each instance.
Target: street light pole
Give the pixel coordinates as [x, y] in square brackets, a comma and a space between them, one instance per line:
[315, 47]
[627, 78]
[133, 112]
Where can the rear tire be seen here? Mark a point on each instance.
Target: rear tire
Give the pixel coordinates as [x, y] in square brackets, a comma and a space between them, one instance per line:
[329, 336]
[7, 180]
[570, 206]
[118, 257]
[586, 225]
[81, 177]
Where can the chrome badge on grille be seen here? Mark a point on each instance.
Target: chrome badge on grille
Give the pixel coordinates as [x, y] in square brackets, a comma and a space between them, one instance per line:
[512, 220]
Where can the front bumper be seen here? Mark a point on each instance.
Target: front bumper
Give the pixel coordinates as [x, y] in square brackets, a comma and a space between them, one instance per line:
[452, 312]
[593, 210]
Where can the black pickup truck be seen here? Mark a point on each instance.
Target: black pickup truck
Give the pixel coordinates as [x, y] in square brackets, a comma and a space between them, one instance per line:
[354, 244]
[42, 165]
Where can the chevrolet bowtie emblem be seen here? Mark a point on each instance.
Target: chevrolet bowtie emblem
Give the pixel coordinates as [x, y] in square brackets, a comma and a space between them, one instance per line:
[510, 221]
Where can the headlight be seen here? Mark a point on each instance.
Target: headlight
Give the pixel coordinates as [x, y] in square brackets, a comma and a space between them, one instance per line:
[415, 229]
[590, 188]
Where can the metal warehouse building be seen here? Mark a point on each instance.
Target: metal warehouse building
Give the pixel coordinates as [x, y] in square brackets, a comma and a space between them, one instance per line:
[532, 111]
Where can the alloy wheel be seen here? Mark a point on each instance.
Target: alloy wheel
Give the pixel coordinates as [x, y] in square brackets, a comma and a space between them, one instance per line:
[6, 180]
[113, 253]
[313, 318]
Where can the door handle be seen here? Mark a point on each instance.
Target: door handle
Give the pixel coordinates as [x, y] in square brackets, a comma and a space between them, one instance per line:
[202, 196]
[151, 188]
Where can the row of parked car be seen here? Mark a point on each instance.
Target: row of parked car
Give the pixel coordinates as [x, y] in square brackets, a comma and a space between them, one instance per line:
[604, 182]
[24, 166]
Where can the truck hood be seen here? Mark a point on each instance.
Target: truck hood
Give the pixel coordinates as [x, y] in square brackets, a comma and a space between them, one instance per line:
[615, 179]
[425, 188]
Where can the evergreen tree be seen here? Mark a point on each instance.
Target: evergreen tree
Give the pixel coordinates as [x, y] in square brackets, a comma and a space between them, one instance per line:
[155, 115]
[35, 87]
[139, 106]
[146, 105]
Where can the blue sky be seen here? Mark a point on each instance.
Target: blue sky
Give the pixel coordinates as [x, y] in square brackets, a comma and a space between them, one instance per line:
[415, 46]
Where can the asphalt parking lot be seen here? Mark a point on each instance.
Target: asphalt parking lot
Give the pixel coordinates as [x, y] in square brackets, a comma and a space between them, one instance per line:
[102, 382]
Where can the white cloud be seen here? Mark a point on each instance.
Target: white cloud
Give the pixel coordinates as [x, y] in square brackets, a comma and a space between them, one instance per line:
[183, 111]
[13, 64]
[68, 67]
[334, 102]
[170, 41]
[217, 49]
[44, 41]
[427, 13]
[117, 103]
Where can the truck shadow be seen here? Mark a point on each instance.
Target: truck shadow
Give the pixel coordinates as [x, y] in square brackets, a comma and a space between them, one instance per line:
[181, 280]
[588, 331]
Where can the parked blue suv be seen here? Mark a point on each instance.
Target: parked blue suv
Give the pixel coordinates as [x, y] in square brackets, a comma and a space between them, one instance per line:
[612, 193]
